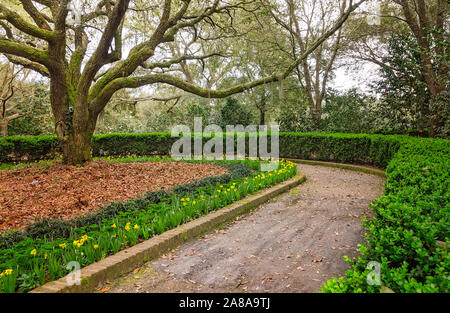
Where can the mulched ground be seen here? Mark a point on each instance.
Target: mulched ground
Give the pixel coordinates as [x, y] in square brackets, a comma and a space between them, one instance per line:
[60, 191]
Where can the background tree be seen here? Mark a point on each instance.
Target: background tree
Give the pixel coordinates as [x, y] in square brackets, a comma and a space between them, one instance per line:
[404, 94]
[234, 113]
[34, 99]
[304, 21]
[429, 24]
[22, 103]
[425, 27]
[349, 111]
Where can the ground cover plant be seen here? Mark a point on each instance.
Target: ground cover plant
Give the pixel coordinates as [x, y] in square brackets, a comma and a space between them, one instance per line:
[34, 260]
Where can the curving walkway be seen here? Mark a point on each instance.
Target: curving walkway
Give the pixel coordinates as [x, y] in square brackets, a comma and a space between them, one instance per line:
[293, 243]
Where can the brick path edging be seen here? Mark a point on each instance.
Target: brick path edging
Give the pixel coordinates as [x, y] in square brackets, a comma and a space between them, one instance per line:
[351, 167]
[127, 260]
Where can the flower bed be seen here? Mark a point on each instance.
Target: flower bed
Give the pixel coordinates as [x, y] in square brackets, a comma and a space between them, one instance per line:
[34, 260]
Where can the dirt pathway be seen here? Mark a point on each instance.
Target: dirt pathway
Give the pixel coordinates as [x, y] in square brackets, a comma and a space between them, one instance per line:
[294, 243]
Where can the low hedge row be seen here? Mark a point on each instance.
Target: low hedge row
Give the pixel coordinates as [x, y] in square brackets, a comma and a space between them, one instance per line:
[375, 150]
[31, 148]
[348, 148]
[410, 234]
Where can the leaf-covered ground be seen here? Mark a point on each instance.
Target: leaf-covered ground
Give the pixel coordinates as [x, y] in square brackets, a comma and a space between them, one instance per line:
[60, 191]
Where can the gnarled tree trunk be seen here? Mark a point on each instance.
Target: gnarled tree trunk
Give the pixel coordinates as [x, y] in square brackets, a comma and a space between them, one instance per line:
[74, 123]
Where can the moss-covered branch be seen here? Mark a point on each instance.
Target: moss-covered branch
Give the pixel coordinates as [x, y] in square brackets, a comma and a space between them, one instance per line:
[18, 22]
[28, 64]
[96, 61]
[24, 51]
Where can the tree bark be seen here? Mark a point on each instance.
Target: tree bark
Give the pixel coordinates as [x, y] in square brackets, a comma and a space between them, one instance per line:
[74, 126]
[4, 128]
[262, 117]
[78, 148]
[419, 20]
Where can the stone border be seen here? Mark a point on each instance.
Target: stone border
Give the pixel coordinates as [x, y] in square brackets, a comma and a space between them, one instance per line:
[126, 260]
[351, 167]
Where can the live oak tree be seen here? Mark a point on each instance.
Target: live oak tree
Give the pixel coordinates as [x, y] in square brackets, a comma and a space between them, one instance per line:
[79, 46]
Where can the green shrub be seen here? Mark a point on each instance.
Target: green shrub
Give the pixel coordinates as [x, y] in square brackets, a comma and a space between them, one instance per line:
[412, 217]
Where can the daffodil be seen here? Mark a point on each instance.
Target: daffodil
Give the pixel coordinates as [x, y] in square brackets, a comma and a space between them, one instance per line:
[62, 245]
[8, 271]
[33, 252]
[136, 226]
[127, 226]
[113, 226]
[95, 246]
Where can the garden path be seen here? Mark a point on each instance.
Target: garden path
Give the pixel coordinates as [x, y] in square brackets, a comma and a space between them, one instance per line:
[294, 243]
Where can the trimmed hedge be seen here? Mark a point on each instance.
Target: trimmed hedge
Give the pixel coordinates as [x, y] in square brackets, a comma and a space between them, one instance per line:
[410, 234]
[375, 150]
[347, 148]
[29, 148]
